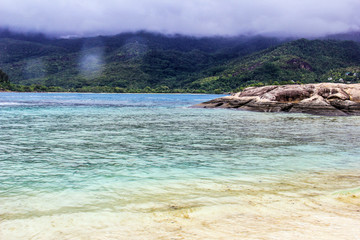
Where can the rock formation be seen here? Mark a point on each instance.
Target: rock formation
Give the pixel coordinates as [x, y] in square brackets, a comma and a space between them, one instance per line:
[322, 99]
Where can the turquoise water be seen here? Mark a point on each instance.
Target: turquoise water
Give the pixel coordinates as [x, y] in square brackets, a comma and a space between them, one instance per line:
[141, 153]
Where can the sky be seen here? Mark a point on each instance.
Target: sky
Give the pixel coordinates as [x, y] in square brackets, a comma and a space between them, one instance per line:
[189, 17]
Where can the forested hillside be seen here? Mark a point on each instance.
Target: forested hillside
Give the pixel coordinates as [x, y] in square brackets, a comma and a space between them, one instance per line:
[148, 62]
[300, 61]
[4, 80]
[125, 62]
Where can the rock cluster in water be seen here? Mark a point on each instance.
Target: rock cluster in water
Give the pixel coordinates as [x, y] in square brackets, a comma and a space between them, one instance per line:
[322, 99]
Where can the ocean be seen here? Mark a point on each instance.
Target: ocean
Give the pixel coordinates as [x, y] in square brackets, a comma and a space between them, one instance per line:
[147, 166]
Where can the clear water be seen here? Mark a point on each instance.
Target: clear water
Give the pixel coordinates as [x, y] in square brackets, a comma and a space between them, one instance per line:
[85, 156]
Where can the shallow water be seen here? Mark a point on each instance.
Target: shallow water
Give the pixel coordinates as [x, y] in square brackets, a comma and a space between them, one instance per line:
[145, 166]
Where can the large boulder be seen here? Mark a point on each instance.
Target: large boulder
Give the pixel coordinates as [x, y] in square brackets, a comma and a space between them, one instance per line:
[322, 99]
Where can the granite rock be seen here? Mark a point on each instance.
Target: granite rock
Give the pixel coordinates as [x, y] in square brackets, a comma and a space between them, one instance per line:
[329, 99]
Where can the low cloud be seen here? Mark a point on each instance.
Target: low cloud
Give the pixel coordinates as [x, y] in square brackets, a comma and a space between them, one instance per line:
[190, 17]
[91, 62]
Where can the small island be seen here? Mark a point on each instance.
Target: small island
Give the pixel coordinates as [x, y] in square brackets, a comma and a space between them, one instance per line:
[328, 99]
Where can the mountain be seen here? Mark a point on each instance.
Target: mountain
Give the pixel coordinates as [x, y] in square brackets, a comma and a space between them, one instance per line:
[148, 62]
[301, 61]
[4, 78]
[349, 36]
[127, 61]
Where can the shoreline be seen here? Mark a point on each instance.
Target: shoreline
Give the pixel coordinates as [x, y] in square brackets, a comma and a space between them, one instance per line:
[120, 93]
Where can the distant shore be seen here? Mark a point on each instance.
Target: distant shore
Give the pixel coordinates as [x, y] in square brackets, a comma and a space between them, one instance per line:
[122, 93]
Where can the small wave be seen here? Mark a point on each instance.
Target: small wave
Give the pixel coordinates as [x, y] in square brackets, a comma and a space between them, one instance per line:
[10, 104]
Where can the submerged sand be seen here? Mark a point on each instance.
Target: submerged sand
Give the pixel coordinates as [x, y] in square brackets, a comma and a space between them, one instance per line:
[317, 205]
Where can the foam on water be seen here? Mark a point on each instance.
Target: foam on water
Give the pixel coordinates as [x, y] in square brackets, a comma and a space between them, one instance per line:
[144, 166]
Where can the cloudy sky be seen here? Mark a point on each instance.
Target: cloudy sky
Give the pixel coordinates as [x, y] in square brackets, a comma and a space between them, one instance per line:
[191, 17]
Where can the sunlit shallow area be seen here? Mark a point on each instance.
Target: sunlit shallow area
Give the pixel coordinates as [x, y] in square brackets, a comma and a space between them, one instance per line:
[146, 166]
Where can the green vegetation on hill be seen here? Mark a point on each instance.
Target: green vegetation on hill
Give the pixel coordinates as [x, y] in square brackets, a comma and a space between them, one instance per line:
[147, 62]
[4, 80]
[129, 62]
[300, 61]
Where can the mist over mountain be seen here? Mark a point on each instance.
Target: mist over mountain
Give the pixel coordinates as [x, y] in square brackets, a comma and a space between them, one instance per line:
[349, 36]
[307, 18]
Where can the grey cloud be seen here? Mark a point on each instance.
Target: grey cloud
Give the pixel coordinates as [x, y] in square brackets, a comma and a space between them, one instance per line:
[192, 17]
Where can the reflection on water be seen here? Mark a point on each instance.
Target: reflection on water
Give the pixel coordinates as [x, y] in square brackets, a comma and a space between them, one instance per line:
[129, 166]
